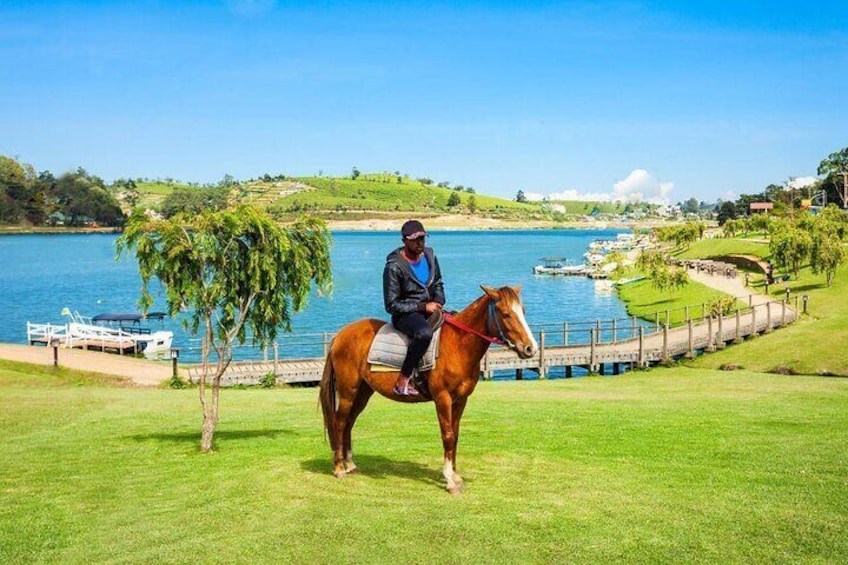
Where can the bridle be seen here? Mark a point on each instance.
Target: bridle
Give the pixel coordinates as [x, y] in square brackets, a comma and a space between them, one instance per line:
[493, 326]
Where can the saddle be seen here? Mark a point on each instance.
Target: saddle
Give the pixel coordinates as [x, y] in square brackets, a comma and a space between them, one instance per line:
[388, 349]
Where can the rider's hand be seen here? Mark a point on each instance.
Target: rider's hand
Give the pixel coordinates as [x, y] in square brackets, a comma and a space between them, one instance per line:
[432, 307]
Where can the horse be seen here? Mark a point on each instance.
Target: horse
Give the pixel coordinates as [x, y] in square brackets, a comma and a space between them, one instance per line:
[348, 382]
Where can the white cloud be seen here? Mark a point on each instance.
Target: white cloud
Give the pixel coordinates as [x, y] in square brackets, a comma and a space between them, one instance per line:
[639, 186]
[642, 186]
[801, 182]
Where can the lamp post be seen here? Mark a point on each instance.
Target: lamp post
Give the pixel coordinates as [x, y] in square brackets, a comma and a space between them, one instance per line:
[175, 355]
[805, 303]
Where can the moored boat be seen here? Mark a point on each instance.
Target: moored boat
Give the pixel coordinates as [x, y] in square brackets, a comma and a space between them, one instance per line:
[117, 332]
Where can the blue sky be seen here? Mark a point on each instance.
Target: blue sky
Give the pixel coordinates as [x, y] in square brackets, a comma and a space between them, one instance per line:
[654, 99]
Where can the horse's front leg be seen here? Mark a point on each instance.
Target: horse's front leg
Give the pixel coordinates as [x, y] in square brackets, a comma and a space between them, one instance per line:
[444, 407]
[456, 416]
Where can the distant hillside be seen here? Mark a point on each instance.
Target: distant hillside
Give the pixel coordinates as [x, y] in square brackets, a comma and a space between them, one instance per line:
[378, 195]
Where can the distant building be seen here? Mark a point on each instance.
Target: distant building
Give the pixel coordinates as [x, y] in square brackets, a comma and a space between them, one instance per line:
[760, 207]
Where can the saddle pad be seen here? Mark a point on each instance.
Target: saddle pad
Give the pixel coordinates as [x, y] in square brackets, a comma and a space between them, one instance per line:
[389, 348]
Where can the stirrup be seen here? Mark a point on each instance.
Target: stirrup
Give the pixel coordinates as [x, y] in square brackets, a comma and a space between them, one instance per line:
[408, 390]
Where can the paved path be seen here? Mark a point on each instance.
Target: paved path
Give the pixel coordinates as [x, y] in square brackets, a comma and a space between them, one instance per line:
[733, 286]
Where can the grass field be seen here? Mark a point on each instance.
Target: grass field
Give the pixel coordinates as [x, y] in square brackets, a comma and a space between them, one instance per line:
[673, 465]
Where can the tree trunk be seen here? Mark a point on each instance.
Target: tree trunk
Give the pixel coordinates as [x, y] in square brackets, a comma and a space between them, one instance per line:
[210, 420]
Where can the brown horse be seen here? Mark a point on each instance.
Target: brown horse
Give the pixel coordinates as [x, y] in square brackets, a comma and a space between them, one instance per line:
[349, 382]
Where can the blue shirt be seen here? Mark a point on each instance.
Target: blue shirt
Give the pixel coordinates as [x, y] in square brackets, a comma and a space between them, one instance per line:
[421, 270]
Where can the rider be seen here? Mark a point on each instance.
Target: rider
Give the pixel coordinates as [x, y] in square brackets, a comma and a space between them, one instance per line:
[412, 290]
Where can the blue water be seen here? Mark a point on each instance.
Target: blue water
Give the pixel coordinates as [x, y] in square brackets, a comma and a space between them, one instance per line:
[42, 274]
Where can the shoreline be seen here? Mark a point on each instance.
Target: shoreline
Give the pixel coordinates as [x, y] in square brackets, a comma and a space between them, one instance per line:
[434, 223]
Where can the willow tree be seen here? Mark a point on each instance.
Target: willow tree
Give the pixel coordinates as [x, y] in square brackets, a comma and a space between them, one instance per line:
[237, 273]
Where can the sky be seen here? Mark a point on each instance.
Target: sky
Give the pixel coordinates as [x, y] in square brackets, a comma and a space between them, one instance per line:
[636, 100]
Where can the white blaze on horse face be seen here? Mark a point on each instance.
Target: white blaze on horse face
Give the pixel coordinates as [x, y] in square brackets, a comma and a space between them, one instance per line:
[519, 313]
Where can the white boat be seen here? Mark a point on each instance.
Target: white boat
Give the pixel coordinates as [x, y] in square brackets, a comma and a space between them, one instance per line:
[109, 332]
[558, 266]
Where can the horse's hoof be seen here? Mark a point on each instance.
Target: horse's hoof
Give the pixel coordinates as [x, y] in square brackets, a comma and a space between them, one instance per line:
[352, 471]
[455, 490]
[339, 474]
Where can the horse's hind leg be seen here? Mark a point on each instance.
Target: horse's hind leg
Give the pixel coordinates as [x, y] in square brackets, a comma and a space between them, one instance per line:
[363, 395]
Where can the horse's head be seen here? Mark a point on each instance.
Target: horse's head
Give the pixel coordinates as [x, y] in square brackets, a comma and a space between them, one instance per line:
[506, 320]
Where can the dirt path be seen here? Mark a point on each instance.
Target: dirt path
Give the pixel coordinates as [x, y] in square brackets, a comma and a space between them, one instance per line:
[141, 372]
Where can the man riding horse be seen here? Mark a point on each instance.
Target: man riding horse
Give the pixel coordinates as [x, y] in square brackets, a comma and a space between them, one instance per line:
[412, 290]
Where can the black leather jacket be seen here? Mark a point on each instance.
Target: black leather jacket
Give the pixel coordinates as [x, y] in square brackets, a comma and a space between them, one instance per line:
[403, 292]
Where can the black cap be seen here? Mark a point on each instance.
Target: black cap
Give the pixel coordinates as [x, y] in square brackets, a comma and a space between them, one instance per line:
[412, 230]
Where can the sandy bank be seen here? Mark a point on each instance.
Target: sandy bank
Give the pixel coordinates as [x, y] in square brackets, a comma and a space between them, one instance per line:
[141, 372]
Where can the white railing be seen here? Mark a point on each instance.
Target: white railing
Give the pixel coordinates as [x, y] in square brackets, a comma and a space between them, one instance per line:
[45, 332]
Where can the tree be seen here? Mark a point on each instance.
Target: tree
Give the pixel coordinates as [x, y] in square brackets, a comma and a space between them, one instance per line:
[828, 253]
[836, 164]
[662, 276]
[727, 211]
[454, 200]
[354, 173]
[520, 197]
[472, 204]
[790, 246]
[238, 273]
[690, 206]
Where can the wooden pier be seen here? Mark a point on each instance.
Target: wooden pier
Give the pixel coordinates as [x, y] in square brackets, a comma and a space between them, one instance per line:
[604, 346]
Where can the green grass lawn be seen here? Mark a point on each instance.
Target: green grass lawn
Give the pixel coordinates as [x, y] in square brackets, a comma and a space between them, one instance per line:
[670, 465]
[812, 346]
[718, 247]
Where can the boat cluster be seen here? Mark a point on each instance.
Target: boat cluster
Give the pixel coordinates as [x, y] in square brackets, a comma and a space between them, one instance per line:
[596, 260]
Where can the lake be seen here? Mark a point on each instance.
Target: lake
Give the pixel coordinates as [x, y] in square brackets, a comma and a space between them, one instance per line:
[42, 274]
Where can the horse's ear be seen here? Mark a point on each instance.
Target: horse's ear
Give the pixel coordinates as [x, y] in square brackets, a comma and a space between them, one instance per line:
[493, 294]
[517, 289]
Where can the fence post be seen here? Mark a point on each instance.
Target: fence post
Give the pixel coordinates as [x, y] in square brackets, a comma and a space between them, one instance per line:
[326, 345]
[667, 317]
[613, 331]
[633, 323]
[542, 372]
[665, 344]
[276, 357]
[656, 321]
[738, 338]
[686, 313]
[783, 313]
[703, 310]
[768, 317]
[592, 337]
[691, 353]
[753, 323]
[710, 339]
[565, 333]
[641, 360]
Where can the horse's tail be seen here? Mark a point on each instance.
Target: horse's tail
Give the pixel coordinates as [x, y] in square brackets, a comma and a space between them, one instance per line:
[327, 397]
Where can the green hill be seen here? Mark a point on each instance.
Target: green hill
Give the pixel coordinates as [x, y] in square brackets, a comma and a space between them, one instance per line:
[379, 194]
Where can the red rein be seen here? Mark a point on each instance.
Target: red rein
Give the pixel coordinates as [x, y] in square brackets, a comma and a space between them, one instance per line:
[460, 326]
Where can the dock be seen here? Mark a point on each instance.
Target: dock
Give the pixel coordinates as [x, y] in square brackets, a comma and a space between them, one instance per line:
[603, 346]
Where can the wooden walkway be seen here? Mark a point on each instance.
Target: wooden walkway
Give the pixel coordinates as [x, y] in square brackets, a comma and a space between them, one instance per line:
[641, 348]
